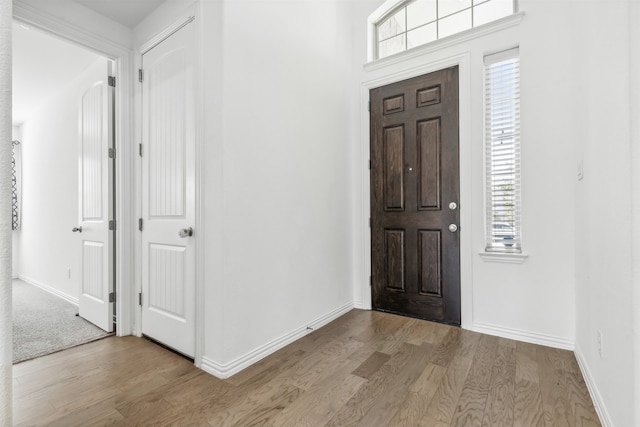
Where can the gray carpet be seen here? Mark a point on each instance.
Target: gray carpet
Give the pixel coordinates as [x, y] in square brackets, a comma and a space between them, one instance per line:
[44, 323]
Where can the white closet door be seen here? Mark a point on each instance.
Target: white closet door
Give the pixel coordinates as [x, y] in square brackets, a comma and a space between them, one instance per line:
[168, 192]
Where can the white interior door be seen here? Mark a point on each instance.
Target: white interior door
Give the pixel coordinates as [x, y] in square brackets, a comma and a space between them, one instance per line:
[96, 204]
[168, 192]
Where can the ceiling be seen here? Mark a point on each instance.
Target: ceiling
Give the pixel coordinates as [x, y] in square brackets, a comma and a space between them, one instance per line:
[127, 12]
[42, 66]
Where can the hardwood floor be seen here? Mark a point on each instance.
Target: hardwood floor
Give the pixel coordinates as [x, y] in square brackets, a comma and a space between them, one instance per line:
[364, 369]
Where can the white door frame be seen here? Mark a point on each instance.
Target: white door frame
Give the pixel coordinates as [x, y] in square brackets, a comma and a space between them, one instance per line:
[189, 15]
[377, 76]
[125, 150]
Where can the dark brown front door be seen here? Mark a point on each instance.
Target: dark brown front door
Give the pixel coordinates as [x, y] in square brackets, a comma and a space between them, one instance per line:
[415, 187]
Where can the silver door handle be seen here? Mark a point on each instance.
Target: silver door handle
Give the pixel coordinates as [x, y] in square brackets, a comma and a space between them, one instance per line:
[453, 228]
[185, 232]
[77, 229]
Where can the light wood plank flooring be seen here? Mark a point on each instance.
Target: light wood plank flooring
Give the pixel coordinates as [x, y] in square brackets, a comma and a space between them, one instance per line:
[364, 369]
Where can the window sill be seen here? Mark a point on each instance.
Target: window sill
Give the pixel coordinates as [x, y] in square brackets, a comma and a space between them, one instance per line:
[503, 257]
[473, 33]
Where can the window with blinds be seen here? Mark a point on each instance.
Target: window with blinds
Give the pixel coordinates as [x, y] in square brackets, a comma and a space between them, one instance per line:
[502, 156]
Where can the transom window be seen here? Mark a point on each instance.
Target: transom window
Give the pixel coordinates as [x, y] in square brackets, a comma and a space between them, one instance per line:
[418, 22]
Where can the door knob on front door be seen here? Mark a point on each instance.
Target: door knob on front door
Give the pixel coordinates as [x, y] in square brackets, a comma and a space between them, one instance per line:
[453, 228]
[77, 229]
[185, 232]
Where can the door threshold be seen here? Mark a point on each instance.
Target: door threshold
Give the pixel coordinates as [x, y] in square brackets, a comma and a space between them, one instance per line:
[166, 347]
[457, 325]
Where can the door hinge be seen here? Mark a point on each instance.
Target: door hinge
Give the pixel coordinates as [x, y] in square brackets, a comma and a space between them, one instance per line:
[140, 298]
[112, 81]
[140, 150]
[369, 222]
[370, 282]
[112, 225]
[140, 224]
[369, 164]
[369, 106]
[112, 297]
[140, 75]
[112, 153]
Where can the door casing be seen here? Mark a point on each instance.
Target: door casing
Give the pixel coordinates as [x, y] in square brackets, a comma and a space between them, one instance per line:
[389, 72]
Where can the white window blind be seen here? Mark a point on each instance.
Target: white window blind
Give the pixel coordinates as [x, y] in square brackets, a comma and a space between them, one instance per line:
[502, 145]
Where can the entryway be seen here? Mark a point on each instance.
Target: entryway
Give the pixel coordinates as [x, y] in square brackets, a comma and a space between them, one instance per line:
[63, 114]
[415, 197]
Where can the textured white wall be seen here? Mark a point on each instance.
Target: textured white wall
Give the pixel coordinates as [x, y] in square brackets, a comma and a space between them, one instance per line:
[50, 188]
[6, 325]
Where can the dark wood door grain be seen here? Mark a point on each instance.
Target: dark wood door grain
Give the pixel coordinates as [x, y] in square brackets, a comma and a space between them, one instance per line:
[414, 177]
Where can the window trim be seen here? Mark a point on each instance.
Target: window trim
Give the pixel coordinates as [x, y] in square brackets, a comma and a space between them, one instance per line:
[489, 60]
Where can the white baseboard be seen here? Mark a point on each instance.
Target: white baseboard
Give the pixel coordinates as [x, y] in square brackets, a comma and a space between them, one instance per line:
[598, 402]
[526, 336]
[226, 370]
[51, 290]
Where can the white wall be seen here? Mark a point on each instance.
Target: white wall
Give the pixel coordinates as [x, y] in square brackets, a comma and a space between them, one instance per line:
[286, 149]
[16, 134]
[603, 211]
[48, 248]
[634, 80]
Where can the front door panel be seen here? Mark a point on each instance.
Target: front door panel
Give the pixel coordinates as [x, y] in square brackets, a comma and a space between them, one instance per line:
[414, 178]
